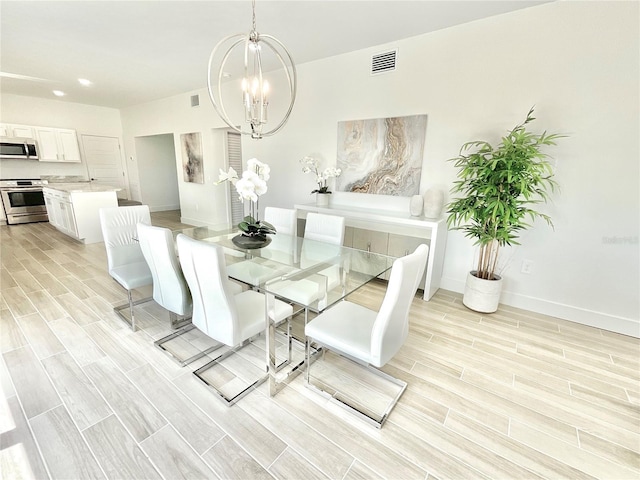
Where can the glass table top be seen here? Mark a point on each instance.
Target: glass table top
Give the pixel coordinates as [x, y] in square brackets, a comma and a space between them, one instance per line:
[310, 273]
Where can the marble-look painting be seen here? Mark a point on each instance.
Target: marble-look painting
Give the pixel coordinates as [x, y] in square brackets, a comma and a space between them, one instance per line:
[381, 156]
[191, 144]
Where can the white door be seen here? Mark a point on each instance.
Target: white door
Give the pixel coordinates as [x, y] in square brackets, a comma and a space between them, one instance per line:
[104, 162]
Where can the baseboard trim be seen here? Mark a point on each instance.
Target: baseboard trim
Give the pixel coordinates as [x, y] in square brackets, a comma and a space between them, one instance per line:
[591, 318]
[200, 223]
[164, 208]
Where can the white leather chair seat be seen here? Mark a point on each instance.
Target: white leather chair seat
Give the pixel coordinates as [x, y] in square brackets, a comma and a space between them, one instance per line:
[251, 306]
[236, 287]
[333, 276]
[133, 275]
[255, 273]
[346, 327]
[302, 292]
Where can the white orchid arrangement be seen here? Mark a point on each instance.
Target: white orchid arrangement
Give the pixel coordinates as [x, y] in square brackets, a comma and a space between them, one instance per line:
[310, 164]
[250, 186]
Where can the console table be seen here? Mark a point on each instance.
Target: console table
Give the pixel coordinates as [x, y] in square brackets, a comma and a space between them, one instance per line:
[402, 230]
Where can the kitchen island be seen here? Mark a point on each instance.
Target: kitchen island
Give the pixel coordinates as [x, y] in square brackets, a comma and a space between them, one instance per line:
[73, 208]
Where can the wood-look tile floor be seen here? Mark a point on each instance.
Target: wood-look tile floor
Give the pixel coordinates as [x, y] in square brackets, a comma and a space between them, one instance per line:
[508, 395]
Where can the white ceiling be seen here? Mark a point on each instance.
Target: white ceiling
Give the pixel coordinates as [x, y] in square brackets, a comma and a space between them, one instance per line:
[138, 51]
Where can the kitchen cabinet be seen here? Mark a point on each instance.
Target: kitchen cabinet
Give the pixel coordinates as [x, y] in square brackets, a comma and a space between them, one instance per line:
[75, 210]
[393, 233]
[57, 145]
[11, 130]
[60, 211]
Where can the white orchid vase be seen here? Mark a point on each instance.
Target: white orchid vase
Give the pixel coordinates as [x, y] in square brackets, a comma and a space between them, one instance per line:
[251, 186]
[310, 165]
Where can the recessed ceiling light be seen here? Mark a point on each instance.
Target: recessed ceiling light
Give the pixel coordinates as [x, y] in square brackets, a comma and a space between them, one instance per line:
[84, 82]
[59, 93]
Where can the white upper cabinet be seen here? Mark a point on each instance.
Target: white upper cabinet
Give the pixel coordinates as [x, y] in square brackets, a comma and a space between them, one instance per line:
[9, 130]
[57, 145]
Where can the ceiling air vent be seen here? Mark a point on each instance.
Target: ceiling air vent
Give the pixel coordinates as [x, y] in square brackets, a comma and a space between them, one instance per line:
[384, 62]
[195, 100]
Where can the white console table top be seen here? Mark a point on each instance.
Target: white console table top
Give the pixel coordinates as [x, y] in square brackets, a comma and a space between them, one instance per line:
[375, 215]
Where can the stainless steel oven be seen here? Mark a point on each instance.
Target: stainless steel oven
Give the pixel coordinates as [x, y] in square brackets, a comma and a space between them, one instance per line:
[23, 201]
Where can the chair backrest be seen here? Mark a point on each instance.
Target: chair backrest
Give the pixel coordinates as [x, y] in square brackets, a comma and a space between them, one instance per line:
[325, 228]
[214, 306]
[170, 288]
[119, 232]
[392, 322]
[284, 219]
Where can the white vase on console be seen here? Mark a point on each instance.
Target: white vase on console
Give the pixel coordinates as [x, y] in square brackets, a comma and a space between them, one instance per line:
[415, 205]
[322, 199]
[433, 203]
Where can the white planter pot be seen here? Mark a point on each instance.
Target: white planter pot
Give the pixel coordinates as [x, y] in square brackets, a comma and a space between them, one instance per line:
[482, 295]
[322, 199]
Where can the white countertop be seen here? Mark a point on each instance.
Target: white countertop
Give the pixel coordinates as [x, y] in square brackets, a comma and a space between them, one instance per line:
[82, 187]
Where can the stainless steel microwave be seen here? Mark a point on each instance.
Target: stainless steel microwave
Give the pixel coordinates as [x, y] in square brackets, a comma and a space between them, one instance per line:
[18, 148]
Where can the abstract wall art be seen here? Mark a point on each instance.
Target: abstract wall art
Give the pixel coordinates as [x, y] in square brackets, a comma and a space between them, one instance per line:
[381, 156]
[191, 144]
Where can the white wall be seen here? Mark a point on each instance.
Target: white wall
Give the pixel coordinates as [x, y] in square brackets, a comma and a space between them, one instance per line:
[200, 204]
[576, 61]
[85, 119]
[159, 182]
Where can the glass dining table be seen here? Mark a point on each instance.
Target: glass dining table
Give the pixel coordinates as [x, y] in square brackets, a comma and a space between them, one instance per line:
[311, 274]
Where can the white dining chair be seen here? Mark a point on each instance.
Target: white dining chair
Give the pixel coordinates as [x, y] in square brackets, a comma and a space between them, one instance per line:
[329, 231]
[324, 228]
[282, 248]
[125, 260]
[232, 319]
[170, 289]
[368, 337]
[284, 219]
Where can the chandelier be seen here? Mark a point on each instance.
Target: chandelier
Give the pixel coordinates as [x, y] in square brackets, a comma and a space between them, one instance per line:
[255, 87]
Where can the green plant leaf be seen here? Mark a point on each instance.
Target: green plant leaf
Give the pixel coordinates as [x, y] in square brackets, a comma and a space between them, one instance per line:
[497, 185]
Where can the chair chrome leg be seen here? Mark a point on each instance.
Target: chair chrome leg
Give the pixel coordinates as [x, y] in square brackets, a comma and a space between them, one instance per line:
[133, 318]
[289, 340]
[228, 401]
[353, 405]
[176, 322]
[129, 305]
[307, 358]
[160, 344]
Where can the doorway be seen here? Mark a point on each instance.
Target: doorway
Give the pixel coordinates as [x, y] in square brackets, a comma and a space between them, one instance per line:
[157, 172]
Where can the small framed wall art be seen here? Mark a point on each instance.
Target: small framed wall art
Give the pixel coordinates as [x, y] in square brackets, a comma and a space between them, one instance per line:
[192, 168]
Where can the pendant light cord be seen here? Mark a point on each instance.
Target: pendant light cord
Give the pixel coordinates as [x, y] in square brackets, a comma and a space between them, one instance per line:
[253, 8]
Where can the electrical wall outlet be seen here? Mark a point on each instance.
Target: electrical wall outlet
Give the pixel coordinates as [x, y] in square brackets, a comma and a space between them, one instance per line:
[527, 267]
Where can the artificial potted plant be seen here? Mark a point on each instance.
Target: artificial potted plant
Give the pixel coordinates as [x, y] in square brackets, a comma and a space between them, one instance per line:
[310, 164]
[252, 184]
[499, 188]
